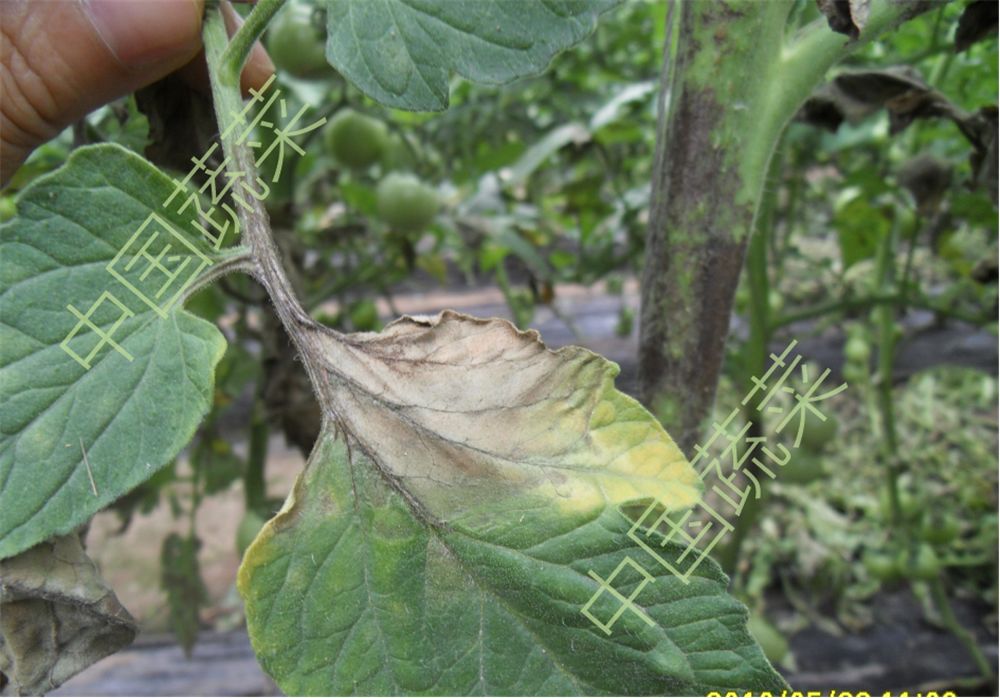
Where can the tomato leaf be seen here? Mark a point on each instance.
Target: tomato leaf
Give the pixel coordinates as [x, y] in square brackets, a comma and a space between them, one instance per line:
[57, 616]
[180, 578]
[448, 548]
[402, 52]
[74, 439]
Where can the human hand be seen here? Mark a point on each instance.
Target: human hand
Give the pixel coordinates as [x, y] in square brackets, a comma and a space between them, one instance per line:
[62, 59]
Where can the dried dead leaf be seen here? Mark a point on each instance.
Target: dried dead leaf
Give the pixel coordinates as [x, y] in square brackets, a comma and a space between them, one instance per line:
[57, 616]
[463, 413]
[927, 178]
[978, 21]
[829, 107]
[846, 16]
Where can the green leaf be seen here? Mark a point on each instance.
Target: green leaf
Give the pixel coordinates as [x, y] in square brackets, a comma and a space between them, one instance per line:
[538, 153]
[57, 616]
[506, 236]
[347, 591]
[180, 578]
[123, 123]
[216, 464]
[402, 52]
[860, 227]
[612, 110]
[448, 550]
[73, 439]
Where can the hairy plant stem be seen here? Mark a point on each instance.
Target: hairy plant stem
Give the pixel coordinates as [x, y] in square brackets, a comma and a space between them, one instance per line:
[877, 299]
[254, 221]
[233, 259]
[755, 350]
[885, 273]
[958, 630]
[236, 52]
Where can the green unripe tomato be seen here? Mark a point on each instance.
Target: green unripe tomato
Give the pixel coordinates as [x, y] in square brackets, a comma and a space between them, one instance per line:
[855, 374]
[817, 433]
[939, 529]
[354, 139]
[329, 320]
[881, 566]
[406, 203]
[296, 44]
[922, 565]
[7, 208]
[857, 351]
[769, 638]
[247, 531]
[909, 506]
[857, 329]
[741, 301]
[775, 301]
[397, 155]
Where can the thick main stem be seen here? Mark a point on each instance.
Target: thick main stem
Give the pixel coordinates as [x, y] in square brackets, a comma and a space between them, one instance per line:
[712, 153]
[732, 87]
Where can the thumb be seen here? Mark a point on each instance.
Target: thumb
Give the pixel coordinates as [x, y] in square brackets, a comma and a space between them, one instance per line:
[61, 60]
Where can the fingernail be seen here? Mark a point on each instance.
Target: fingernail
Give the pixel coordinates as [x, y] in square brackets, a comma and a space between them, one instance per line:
[139, 32]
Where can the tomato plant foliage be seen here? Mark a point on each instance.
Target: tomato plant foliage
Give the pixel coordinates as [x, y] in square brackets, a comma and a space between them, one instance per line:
[348, 591]
[467, 480]
[121, 419]
[402, 52]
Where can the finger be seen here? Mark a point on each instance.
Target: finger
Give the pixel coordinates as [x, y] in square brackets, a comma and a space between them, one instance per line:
[61, 60]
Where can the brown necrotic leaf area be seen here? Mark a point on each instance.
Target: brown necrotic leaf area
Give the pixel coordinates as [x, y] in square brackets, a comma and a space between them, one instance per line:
[57, 617]
[978, 21]
[845, 16]
[902, 92]
[457, 411]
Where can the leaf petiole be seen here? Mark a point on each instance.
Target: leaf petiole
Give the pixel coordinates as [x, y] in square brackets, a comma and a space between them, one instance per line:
[263, 253]
[236, 53]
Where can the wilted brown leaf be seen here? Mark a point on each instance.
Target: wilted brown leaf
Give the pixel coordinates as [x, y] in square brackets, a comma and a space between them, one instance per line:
[855, 94]
[464, 412]
[927, 178]
[846, 16]
[829, 107]
[982, 131]
[57, 616]
[978, 20]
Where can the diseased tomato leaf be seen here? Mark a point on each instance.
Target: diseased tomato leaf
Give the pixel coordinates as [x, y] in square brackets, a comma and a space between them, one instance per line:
[57, 616]
[448, 548]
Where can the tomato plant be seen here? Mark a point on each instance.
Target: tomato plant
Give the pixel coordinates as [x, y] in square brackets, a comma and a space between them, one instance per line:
[296, 42]
[354, 139]
[463, 481]
[406, 203]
